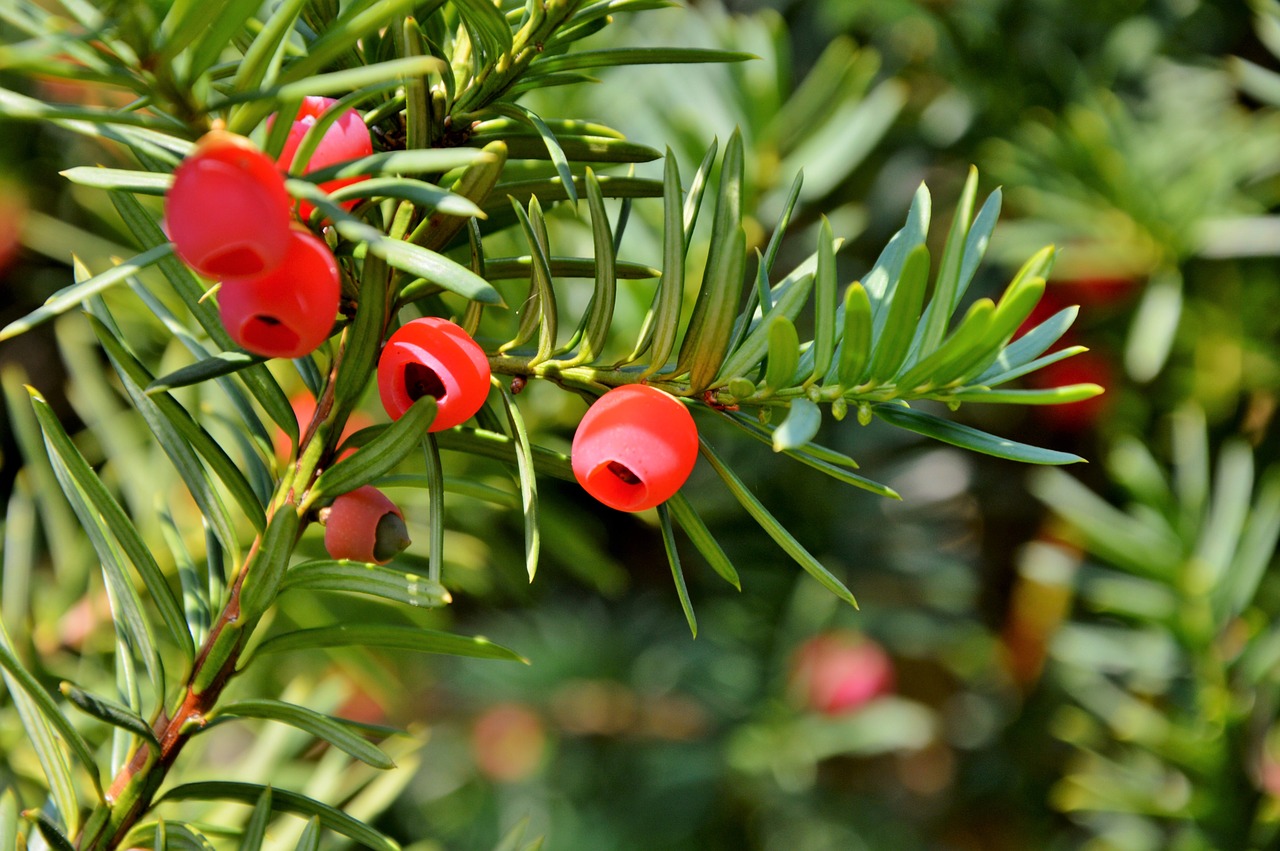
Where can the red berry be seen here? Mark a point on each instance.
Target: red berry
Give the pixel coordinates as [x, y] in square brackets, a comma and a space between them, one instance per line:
[635, 447]
[1098, 289]
[227, 211]
[1089, 367]
[433, 357]
[509, 741]
[364, 525]
[288, 311]
[347, 138]
[13, 214]
[839, 671]
[1049, 304]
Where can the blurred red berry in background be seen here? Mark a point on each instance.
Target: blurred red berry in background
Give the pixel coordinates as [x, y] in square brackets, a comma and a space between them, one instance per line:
[1047, 306]
[364, 525]
[1096, 297]
[290, 310]
[433, 357]
[1096, 290]
[347, 138]
[1089, 367]
[227, 212]
[304, 408]
[839, 671]
[635, 447]
[13, 215]
[508, 741]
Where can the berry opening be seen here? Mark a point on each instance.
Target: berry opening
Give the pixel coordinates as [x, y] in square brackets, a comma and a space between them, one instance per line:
[265, 334]
[617, 486]
[421, 380]
[623, 473]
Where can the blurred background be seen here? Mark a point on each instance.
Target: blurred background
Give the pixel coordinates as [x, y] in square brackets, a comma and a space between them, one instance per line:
[1049, 659]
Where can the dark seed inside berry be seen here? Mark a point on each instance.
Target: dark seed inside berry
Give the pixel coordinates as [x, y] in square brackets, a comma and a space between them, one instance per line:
[623, 473]
[421, 380]
[267, 335]
[390, 537]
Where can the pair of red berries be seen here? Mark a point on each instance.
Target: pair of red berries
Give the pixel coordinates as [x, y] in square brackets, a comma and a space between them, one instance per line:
[230, 219]
[634, 448]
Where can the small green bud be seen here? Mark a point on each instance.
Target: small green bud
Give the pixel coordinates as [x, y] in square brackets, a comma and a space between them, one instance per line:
[740, 388]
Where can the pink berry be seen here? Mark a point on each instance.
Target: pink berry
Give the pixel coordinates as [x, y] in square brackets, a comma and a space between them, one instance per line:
[290, 310]
[839, 671]
[635, 447]
[364, 525]
[433, 357]
[227, 211]
[347, 138]
[509, 741]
